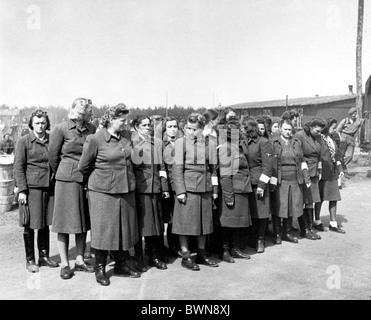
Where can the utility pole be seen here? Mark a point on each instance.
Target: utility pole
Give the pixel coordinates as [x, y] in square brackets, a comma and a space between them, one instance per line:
[167, 111]
[359, 101]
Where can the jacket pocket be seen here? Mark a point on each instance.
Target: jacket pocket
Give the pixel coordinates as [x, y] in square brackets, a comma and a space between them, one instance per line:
[194, 181]
[64, 171]
[32, 178]
[241, 184]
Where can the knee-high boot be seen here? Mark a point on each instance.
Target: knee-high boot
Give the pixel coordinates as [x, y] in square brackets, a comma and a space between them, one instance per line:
[226, 256]
[235, 245]
[304, 230]
[309, 214]
[253, 233]
[100, 267]
[29, 243]
[139, 261]
[276, 222]
[261, 236]
[121, 268]
[154, 260]
[43, 243]
[286, 236]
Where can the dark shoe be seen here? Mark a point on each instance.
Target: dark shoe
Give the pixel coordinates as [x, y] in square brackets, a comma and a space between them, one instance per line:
[122, 269]
[277, 239]
[293, 229]
[189, 264]
[155, 262]
[202, 259]
[237, 254]
[32, 267]
[84, 267]
[288, 237]
[101, 276]
[227, 257]
[319, 227]
[317, 236]
[308, 235]
[66, 273]
[139, 264]
[336, 229]
[88, 256]
[47, 262]
[260, 246]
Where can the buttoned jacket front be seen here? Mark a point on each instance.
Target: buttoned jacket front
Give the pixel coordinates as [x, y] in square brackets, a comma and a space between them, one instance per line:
[31, 162]
[66, 145]
[106, 162]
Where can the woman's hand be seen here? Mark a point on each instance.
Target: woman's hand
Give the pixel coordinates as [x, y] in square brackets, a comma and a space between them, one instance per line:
[308, 184]
[341, 175]
[215, 196]
[22, 198]
[166, 195]
[260, 193]
[182, 198]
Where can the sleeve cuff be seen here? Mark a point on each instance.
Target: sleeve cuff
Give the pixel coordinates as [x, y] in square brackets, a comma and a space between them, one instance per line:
[273, 181]
[264, 178]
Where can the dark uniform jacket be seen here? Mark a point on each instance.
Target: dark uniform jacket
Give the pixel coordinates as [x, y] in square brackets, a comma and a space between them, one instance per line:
[106, 161]
[301, 167]
[330, 168]
[31, 162]
[234, 173]
[66, 145]
[259, 156]
[195, 166]
[148, 165]
[312, 152]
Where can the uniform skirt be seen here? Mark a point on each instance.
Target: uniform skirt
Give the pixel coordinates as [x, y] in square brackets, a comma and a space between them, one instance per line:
[329, 190]
[311, 194]
[195, 218]
[259, 208]
[149, 211]
[289, 199]
[168, 208]
[40, 203]
[71, 214]
[237, 216]
[114, 224]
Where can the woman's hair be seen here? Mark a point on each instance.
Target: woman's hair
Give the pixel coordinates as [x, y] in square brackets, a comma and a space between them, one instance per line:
[223, 114]
[39, 113]
[314, 122]
[197, 118]
[250, 127]
[211, 114]
[286, 121]
[78, 108]
[166, 120]
[329, 123]
[113, 113]
[263, 121]
[139, 119]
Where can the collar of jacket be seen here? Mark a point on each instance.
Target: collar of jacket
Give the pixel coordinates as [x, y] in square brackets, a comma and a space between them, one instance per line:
[72, 125]
[33, 137]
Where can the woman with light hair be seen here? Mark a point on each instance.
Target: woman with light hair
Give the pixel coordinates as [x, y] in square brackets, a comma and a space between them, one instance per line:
[71, 214]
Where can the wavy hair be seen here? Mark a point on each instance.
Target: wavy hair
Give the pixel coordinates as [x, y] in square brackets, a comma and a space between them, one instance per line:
[78, 108]
[39, 113]
[113, 113]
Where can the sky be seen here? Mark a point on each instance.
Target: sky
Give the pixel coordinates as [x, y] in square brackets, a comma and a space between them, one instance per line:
[198, 53]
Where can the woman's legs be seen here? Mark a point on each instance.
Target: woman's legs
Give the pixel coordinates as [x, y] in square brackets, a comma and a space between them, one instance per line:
[29, 239]
[187, 262]
[201, 253]
[333, 223]
[63, 243]
[317, 212]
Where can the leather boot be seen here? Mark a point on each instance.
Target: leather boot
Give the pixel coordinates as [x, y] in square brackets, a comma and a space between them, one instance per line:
[286, 236]
[100, 267]
[304, 231]
[260, 248]
[154, 260]
[290, 227]
[276, 221]
[160, 248]
[43, 246]
[202, 258]
[253, 233]
[187, 261]
[235, 250]
[121, 268]
[172, 241]
[138, 258]
[29, 238]
[225, 238]
[309, 214]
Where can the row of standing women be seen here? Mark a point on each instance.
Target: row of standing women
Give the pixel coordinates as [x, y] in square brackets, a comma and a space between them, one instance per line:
[124, 185]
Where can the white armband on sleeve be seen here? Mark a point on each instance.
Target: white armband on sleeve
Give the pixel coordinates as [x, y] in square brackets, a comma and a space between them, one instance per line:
[320, 165]
[214, 181]
[338, 163]
[304, 166]
[163, 174]
[264, 178]
[273, 181]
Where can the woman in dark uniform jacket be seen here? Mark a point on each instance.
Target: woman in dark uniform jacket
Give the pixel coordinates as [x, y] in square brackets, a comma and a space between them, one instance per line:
[332, 170]
[259, 156]
[106, 161]
[196, 185]
[71, 215]
[32, 176]
[235, 186]
[291, 172]
[171, 133]
[310, 141]
[151, 185]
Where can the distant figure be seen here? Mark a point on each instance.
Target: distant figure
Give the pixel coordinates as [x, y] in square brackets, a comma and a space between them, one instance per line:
[2, 127]
[24, 127]
[7, 145]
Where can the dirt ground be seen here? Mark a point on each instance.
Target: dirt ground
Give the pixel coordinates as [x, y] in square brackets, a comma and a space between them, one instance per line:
[334, 268]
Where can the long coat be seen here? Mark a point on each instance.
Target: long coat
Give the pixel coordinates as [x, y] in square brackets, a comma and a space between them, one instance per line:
[234, 175]
[194, 174]
[106, 164]
[32, 175]
[259, 156]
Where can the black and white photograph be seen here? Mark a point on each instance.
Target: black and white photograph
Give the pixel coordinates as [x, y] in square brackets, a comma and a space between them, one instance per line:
[185, 155]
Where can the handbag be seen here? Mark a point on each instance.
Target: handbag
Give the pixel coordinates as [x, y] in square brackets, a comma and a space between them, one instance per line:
[24, 214]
